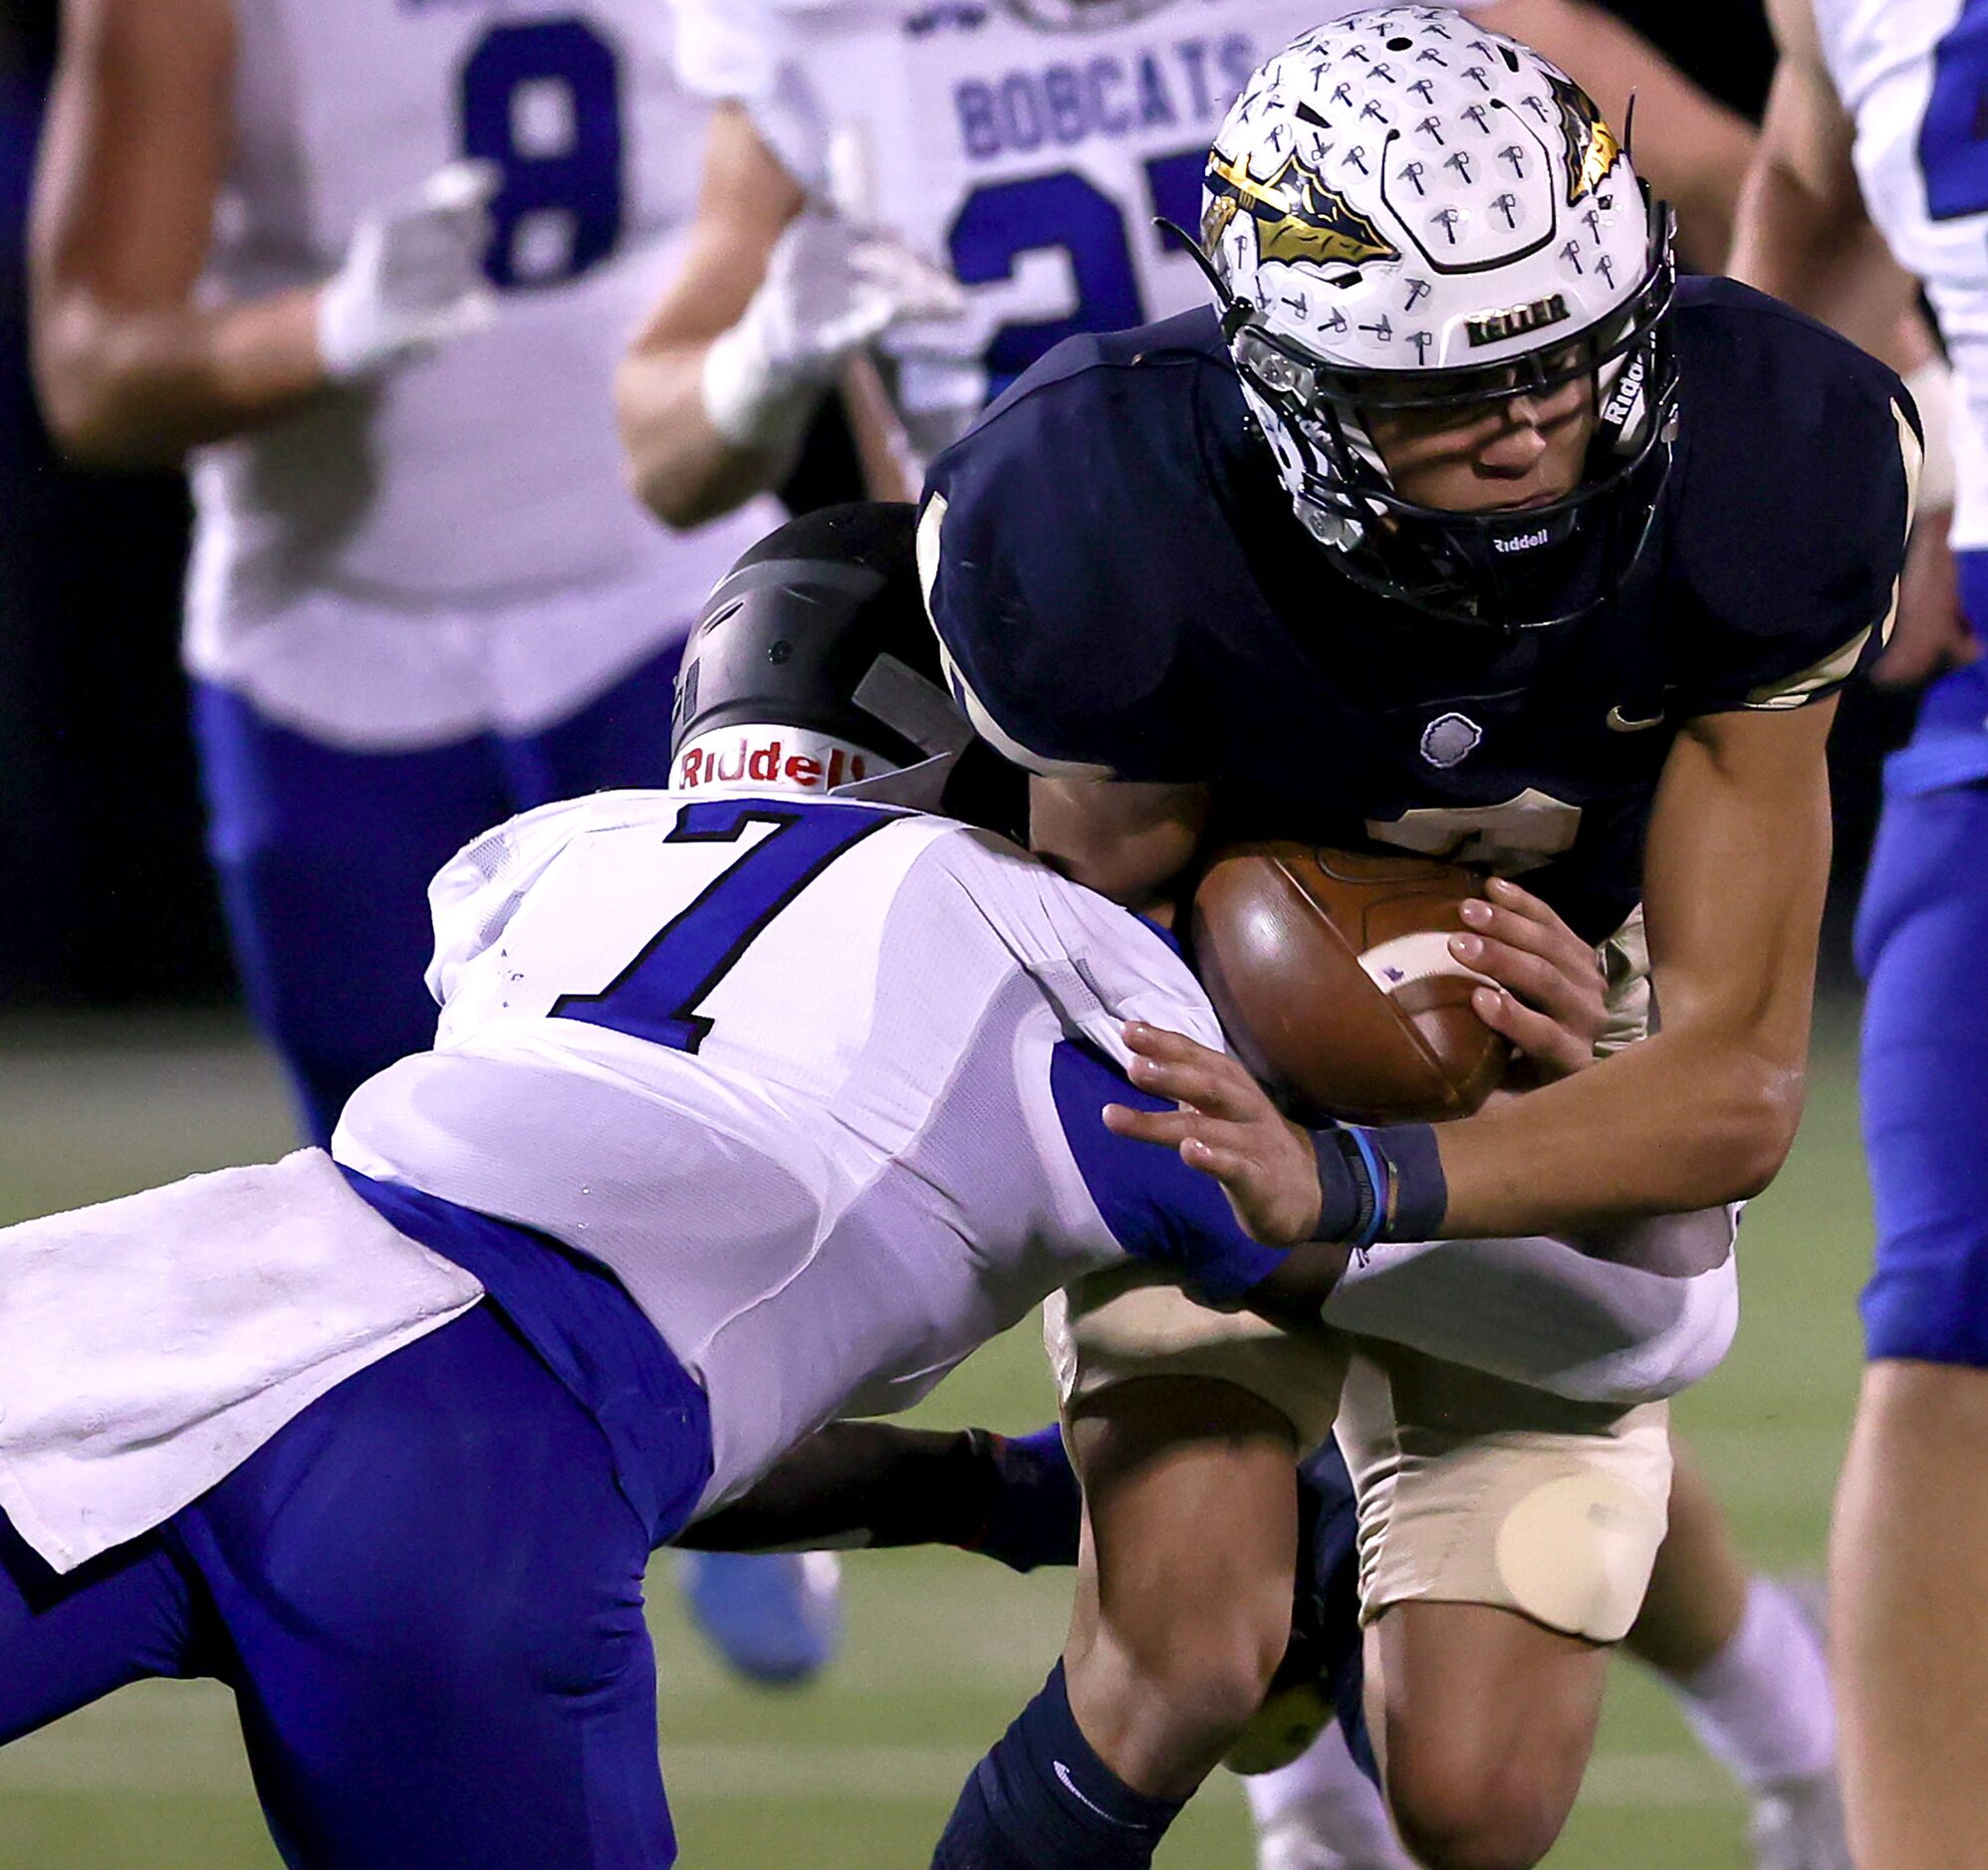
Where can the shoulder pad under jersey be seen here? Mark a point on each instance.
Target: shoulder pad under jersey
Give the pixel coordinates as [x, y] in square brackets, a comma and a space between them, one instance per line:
[1058, 551]
[1798, 457]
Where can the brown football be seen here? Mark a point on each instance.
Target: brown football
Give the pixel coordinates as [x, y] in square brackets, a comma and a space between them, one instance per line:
[1332, 975]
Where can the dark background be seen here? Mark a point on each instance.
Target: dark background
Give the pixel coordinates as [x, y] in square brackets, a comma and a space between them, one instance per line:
[104, 898]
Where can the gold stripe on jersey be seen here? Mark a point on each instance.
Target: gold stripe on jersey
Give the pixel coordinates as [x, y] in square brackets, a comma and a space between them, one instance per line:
[1794, 691]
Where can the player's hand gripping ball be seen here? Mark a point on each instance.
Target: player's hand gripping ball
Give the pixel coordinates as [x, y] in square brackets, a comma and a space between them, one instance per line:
[1332, 975]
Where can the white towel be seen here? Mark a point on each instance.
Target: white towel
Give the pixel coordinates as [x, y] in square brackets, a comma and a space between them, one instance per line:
[149, 1345]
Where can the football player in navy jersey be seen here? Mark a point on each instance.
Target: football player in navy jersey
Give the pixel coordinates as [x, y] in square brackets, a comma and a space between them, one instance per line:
[889, 113]
[1458, 527]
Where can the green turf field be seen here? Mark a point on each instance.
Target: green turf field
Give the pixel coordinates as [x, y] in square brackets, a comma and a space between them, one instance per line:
[857, 1773]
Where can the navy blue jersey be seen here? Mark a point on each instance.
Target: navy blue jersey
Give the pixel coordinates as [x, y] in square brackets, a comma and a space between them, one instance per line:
[1122, 587]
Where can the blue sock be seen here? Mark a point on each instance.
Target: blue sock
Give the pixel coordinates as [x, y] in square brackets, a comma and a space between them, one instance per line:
[1038, 1505]
[1042, 1800]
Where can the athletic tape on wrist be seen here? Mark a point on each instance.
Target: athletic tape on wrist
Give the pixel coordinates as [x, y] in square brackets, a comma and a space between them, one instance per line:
[1417, 1190]
[1379, 1193]
[746, 400]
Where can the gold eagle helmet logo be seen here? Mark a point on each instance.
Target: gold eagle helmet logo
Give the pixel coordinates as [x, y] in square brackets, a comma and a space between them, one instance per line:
[1296, 216]
[1591, 147]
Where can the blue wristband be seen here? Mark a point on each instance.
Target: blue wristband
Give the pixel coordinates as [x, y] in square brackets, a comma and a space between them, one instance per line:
[1347, 1207]
[1417, 1195]
[1372, 1165]
[1379, 1185]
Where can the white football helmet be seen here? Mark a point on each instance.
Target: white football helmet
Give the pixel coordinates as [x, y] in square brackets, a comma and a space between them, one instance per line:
[1405, 210]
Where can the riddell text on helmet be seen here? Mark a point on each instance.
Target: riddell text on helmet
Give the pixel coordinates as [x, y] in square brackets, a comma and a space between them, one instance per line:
[767, 762]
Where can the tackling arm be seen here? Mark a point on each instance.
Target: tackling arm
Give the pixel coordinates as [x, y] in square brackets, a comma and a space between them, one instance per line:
[131, 372]
[875, 1483]
[1703, 1113]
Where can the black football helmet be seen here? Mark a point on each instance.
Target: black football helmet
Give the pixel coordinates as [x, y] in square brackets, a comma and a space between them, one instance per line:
[813, 668]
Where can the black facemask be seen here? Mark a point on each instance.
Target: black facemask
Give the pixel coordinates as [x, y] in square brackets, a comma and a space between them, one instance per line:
[1511, 570]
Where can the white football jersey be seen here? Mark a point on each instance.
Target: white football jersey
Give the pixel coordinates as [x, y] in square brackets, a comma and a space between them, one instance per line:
[1028, 144]
[785, 1065]
[453, 547]
[1921, 164]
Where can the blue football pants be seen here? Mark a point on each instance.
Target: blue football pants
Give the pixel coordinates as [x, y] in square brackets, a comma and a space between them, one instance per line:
[324, 858]
[426, 1592]
[1922, 933]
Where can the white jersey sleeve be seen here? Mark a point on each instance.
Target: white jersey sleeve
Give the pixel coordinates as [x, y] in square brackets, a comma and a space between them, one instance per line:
[820, 1082]
[1910, 74]
[728, 54]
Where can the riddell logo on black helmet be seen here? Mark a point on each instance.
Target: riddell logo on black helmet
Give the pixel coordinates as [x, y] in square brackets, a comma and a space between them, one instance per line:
[1522, 541]
[782, 759]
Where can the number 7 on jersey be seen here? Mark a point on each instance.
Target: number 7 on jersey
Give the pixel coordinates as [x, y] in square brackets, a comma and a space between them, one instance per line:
[656, 996]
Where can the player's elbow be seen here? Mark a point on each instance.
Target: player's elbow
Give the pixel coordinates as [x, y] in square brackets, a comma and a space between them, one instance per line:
[90, 403]
[1760, 1113]
[82, 411]
[1794, 237]
[684, 483]
[671, 496]
[684, 500]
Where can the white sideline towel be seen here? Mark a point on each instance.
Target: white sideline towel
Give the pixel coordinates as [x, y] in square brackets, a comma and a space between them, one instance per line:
[149, 1345]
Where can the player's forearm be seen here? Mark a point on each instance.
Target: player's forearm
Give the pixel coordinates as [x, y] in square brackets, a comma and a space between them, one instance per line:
[853, 1483]
[127, 389]
[1678, 1122]
[873, 1484]
[1689, 147]
[1803, 233]
[1735, 866]
[682, 466]
[890, 469]
[1795, 245]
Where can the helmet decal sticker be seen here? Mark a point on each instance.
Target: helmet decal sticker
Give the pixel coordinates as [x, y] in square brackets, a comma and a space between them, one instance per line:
[1450, 739]
[1298, 217]
[1592, 150]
